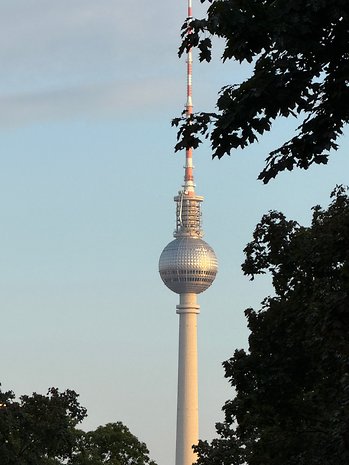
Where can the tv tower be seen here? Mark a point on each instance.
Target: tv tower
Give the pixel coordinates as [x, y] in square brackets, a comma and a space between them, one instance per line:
[188, 266]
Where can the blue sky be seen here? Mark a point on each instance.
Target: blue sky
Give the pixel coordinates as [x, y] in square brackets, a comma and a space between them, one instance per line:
[87, 179]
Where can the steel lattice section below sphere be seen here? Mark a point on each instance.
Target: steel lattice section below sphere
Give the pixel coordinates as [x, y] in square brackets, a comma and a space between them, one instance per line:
[188, 265]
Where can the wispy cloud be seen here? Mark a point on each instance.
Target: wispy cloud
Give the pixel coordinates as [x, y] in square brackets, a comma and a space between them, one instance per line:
[111, 100]
[71, 57]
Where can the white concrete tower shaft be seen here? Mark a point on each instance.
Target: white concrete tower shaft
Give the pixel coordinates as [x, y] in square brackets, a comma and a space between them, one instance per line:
[187, 396]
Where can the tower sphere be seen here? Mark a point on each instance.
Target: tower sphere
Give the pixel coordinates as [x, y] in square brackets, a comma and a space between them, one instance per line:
[188, 265]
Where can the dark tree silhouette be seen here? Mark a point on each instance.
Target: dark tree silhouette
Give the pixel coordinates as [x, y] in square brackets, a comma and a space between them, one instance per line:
[291, 405]
[300, 54]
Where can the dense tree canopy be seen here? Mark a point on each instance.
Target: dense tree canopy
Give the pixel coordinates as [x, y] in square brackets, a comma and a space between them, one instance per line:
[37, 429]
[112, 444]
[292, 385]
[300, 53]
[41, 430]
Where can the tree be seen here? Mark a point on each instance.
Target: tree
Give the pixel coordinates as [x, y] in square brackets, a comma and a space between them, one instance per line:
[300, 54]
[292, 385]
[38, 429]
[41, 430]
[112, 444]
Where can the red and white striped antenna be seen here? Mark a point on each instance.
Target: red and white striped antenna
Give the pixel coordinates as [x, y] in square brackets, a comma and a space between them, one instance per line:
[188, 177]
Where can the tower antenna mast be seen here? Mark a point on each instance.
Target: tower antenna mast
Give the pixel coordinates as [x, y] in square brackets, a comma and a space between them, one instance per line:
[188, 177]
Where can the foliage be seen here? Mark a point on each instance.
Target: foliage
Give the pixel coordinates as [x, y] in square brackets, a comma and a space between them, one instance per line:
[38, 429]
[292, 386]
[41, 430]
[111, 444]
[300, 53]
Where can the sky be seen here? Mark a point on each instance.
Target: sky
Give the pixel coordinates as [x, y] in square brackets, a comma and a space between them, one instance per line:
[88, 174]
